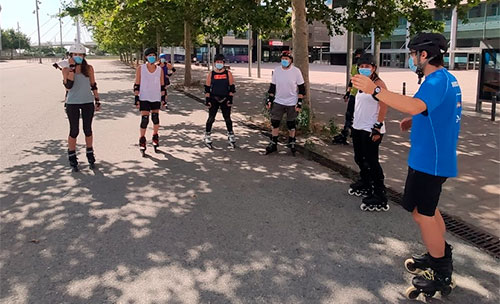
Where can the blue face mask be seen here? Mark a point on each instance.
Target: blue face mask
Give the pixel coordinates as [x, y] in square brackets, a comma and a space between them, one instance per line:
[219, 66]
[285, 63]
[412, 65]
[151, 59]
[365, 71]
[78, 59]
[163, 60]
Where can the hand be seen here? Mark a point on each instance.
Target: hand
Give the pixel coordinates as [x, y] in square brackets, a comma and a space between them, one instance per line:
[137, 106]
[268, 105]
[405, 124]
[97, 106]
[364, 84]
[163, 105]
[71, 60]
[298, 109]
[346, 96]
[376, 138]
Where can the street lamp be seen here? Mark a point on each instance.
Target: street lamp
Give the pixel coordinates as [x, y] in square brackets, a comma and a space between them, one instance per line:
[38, 27]
[0, 35]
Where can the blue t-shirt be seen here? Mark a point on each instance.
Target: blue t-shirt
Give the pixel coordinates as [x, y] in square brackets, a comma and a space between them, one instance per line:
[434, 133]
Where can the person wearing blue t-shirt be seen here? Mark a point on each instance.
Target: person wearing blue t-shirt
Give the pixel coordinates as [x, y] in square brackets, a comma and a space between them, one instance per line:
[436, 113]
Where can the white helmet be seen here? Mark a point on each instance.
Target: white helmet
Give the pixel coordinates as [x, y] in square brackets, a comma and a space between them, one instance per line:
[78, 49]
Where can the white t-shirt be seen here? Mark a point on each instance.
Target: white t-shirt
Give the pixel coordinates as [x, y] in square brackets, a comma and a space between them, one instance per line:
[150, 84]
[366, 111]
[286, 82]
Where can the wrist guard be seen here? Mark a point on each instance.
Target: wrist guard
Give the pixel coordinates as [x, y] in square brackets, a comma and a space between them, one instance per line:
[229, 99]
[163, 98]
[93, 87]
[299, 103]
[136, 100]
[137, 87]
[232, 88]
[207, 89]
[207, 101]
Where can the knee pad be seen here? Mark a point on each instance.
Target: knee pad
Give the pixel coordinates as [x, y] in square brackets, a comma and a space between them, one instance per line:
[73, 133]
[290, 125]
[144, 121]
[155, 118]
[275, 123]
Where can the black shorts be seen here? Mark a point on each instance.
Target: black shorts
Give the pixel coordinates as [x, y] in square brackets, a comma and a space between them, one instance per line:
[149, 105]
[422, 191]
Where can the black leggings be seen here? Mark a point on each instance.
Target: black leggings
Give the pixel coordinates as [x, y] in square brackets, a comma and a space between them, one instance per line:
[366, 157]
[87, 113]
[349, 116]
[226, 113]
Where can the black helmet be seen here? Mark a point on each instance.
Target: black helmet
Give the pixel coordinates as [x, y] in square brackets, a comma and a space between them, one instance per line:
[287, 54]
[434, 44]
[219, 57]
[149, 51]
[359, 52]
[366, 59]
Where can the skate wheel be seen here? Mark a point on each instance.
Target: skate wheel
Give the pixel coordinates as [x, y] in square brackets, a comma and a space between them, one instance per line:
[363, 207]
[386, 208]
[412, 293]
[410, 266]
[92, 166]
[350, 191]
[358, 194]
[429, 294]
[446, 290]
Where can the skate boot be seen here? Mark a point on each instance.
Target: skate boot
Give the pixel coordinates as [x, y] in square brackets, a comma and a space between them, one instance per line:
[375, 202]
[341, 139]
[291, 145]
[232, 139]
[437, 278]
[418, 263]
[156, 142]
[360, 188]
[273, 145]
[142, 145]
[91, 157]
[73, 161]
[208, 140]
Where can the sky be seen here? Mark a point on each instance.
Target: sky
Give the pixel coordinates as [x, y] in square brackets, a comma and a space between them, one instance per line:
[21, 11]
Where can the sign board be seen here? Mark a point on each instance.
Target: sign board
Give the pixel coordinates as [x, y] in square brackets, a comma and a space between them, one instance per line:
[276, 43]
[489, 74]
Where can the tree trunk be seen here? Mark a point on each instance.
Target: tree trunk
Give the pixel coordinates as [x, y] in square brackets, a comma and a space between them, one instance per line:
[158, 44]
[187, 48]
[11, 53]
[376, 53]
[301, 47]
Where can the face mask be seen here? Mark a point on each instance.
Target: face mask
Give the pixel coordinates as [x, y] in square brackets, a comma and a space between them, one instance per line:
[163, 60]
[219, 66]
[365, 71]
[412, 65]
[151, 59]
[285, 63]
[78, 59]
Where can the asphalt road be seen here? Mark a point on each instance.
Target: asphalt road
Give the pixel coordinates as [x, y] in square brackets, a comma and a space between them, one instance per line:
[188, 224]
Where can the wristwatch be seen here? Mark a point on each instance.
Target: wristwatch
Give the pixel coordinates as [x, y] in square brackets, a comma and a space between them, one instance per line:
[375, 92]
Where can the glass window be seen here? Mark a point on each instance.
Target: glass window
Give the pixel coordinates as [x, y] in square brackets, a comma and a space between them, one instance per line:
[476, 11]
[492, 9]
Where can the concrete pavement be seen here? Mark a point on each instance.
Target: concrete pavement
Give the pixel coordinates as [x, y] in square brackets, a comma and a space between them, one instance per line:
[473, 196]
[187, 225]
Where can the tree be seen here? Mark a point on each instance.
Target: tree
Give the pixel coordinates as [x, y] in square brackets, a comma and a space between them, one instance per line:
[12, 40]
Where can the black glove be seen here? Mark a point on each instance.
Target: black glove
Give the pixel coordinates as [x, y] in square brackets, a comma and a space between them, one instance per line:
[207, 101]
[55, 66]
[299, 103]
[376, 129]
[136, 101]
[347, 95]
[229, 99]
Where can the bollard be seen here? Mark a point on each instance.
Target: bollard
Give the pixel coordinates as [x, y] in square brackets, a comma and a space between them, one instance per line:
[493, 107]
[404, 88]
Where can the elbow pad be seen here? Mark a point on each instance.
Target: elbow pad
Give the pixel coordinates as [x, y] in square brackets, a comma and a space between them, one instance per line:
[302, 89]
[232, 88]
[272, 89]
[137, 87]
[207, 89]
[93, 86]
[69, 84]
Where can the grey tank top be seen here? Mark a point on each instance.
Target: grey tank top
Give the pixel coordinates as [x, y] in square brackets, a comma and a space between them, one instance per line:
[80, 93]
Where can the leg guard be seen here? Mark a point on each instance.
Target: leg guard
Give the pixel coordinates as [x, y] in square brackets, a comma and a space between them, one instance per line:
[144, 121]
[290, 125]
[155, 118]
[275, 123]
